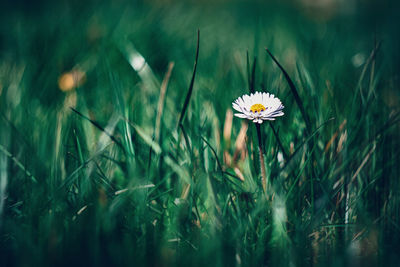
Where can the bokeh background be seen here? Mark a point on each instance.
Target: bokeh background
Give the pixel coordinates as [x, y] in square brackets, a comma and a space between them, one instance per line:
[96, 170]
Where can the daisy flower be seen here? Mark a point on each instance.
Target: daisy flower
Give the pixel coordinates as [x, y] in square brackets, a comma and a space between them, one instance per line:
[258, 107]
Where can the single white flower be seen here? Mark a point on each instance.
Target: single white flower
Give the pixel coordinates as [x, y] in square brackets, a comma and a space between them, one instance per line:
[258, 107]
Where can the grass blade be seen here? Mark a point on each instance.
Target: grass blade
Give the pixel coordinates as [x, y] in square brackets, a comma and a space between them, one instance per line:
[248, 70]
[185, 136]
[98, 126]
[161, 100]
[18, 163]
[214, 152]
[306, 141]
[251, 76]
[189, 93]
[294, 92]
[285, 155]
[369, 60]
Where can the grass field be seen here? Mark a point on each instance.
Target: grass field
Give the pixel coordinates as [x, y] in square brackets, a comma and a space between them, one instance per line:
[118, 146]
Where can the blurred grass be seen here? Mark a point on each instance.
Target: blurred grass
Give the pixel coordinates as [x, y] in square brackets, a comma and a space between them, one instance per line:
[108, 185]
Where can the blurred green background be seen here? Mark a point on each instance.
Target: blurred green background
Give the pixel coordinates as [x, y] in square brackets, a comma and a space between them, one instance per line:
[95, 169]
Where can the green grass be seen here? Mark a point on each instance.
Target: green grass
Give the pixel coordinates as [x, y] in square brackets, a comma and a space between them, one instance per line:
[113, 173]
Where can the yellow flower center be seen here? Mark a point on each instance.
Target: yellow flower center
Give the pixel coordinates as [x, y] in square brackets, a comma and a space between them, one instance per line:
[257, 108]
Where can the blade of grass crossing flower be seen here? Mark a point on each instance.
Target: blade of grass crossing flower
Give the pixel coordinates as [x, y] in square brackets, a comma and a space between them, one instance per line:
[189, 93]
[294, 92]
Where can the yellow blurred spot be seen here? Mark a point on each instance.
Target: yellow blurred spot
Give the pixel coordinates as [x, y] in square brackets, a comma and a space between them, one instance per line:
[68, 81]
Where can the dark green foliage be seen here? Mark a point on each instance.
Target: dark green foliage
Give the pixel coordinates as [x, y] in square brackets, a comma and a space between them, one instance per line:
[88, 178]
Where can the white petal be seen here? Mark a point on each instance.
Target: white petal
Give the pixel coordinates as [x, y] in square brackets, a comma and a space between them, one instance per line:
[236, 107]
[247, 99]
[264, 96]
[239, 101]
[259, 97]
[275, 114]
[241, 115]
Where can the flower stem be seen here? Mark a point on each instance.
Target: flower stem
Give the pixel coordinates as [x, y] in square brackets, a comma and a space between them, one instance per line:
[261, 154]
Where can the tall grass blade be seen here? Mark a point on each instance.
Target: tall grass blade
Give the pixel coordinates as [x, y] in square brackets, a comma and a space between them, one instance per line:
[189, 93]
[294, 92]
[248, 71]
[364, 70]
[98, 126]
[253, 76]
[187, 142]
[278, 140]
[161, 100]
[214, 153]
[18, 163]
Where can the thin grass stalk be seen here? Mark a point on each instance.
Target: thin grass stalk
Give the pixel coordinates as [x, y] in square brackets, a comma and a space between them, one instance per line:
[161, 100]
[189, 93]
[98, 126]
[261, 154]
[294, 92]
[285, 155]
[18, 163]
